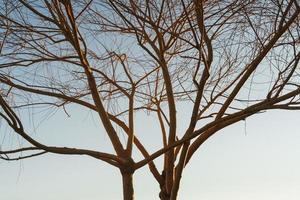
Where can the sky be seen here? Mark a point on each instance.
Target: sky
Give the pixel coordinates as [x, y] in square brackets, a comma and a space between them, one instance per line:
[256, 160]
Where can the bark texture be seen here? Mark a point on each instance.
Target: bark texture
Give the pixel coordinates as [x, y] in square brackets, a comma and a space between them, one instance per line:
[128, 191]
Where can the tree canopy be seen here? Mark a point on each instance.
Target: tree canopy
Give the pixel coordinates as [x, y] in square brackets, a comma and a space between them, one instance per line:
[225, 60]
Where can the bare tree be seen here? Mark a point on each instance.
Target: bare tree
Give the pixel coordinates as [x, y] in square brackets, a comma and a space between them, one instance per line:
[226, 60]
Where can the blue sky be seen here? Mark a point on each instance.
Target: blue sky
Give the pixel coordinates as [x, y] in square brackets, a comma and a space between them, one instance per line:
[258, 161]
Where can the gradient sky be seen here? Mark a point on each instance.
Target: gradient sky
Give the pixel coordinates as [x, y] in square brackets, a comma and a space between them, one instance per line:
[258, 160]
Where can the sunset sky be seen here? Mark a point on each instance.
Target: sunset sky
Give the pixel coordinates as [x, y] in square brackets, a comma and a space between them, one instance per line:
[109, 85]
[256, 161]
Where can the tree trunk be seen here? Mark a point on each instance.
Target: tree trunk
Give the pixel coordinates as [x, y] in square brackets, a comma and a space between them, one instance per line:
[163, 194]
[179, 170]
[164, 198]
[128, 192]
